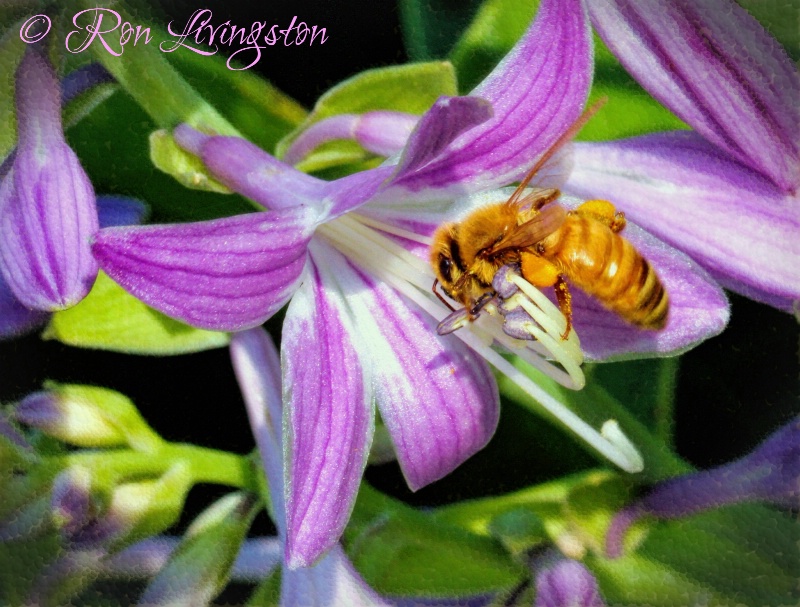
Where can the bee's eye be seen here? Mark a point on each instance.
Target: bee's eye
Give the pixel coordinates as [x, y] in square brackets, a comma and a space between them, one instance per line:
[445, 268]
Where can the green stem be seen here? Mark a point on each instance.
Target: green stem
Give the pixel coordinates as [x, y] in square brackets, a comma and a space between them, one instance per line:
[109, 467]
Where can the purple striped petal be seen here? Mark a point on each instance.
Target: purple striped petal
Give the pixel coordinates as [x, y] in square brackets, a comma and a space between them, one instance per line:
[382, 132]
[716, 67]
[226, 274]
[47, 205]
[437, 398]
[729, 218]
[329, 414]
[439, 126]
[247, 169]
[258, 371]
[536, 92]
[698, 308]
[332, 581]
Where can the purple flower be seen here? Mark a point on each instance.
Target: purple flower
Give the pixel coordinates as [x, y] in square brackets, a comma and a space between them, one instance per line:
[567, 583]
[47, 204]
[770, 473]
[351, 255]
[40, 114]
[726, 193]
[333, 580]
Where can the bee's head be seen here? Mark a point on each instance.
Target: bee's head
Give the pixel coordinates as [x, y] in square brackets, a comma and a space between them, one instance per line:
[446, 260]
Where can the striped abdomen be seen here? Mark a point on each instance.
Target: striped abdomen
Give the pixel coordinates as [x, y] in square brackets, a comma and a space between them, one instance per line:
[607, 266]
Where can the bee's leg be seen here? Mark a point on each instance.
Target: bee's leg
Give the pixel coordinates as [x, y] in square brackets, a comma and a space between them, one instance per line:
[604, 212]
[541, 273]
[564, 298]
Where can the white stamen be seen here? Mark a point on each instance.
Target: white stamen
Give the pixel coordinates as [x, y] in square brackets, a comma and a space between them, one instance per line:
[390, 229]
[614, 434]
[413, 277]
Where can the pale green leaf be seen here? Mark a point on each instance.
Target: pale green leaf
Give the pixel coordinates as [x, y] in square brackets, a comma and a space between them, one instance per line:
[111, 319]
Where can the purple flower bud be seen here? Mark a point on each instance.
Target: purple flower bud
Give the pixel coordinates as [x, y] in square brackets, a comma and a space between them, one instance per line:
[70, 416]
[567, 584]
[770, 473]
[71, 500]
[47, 204]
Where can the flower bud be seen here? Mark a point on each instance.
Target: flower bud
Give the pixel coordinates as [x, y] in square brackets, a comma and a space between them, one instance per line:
[86, 416]
[567, 584]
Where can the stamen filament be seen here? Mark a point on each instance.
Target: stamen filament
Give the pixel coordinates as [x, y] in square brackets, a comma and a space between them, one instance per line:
[390, 229]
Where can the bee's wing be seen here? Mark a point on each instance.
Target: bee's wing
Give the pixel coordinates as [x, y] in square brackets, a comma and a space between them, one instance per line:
[539, 227]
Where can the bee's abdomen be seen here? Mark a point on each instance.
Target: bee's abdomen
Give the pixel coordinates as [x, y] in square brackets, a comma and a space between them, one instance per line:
[610, 268]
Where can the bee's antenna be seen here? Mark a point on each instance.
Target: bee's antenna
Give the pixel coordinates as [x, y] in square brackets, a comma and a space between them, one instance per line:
[439, 295]
[563, 139]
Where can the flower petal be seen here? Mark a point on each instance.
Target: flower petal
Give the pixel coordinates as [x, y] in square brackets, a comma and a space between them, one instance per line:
[448, 118]
[329, 414]
[332, 581]
[258, 371]
[226, 274]
[250, 171]
[536, 92]
[698, 309]
[47, 205]
[47, 215]
[438, 399]
[717, 68]
[730, 219]
[381, 132]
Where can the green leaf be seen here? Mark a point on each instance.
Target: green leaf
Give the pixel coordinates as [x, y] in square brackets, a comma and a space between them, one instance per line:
[430, 26]
[411, 88]
[111, 319]
[401, 551]
[742, 555]
[11, 50]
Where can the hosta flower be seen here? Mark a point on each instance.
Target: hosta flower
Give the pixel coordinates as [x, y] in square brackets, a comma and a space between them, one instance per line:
[351, 255]
[333, 580]
[47, 204]
[41, 114]
[727, 193]
[769, 473]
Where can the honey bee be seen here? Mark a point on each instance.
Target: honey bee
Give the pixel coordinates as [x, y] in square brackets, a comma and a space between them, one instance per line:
[551, 246]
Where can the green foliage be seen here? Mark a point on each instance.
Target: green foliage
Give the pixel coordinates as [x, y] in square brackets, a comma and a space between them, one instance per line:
[430, 26]
[402, 551]
[111, 319]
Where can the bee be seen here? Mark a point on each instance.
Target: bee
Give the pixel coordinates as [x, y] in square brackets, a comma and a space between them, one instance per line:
[552, 247]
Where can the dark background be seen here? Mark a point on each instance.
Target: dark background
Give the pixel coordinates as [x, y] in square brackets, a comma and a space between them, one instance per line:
[732, 390]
